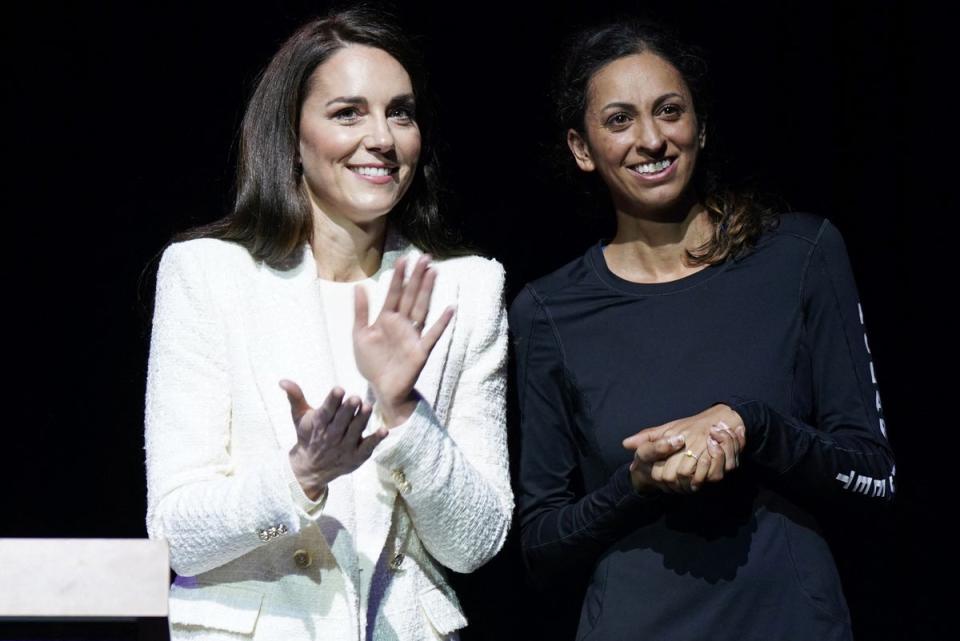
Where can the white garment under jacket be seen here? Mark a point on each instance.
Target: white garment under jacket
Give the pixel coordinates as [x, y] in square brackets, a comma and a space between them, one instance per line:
[436, 493]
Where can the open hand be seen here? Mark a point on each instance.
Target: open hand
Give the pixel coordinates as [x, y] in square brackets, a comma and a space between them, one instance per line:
[391, 352]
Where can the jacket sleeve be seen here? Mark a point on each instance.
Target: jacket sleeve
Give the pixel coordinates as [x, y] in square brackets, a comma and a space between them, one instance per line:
[208, 512]
[455, 480]
[560, 523]
[844, 454]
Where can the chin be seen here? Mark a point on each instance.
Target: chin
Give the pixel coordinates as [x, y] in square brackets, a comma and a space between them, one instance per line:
[369, 213]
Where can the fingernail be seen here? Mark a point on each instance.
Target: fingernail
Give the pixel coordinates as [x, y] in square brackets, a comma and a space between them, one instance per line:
[716, 429]
[713, 445]
[676, 439]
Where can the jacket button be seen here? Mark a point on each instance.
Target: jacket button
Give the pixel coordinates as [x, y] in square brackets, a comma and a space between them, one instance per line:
[401, 481]
[396, 562]
[302, 559]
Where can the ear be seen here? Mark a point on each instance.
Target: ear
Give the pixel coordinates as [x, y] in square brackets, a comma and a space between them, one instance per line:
[580, 150]
[703, 136]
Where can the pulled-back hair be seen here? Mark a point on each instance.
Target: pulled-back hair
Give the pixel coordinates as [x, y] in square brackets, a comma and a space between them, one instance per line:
[271, 215]
[740, 216]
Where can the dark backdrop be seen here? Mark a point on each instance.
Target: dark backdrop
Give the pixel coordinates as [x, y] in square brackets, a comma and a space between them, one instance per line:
[121, 130]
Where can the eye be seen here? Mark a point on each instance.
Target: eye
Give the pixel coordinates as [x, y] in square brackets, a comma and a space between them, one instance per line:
[671, 111]
[619, 120]
[403, 115]
[347, 115]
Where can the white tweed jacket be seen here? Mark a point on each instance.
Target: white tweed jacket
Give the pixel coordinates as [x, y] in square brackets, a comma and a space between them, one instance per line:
[255, 558]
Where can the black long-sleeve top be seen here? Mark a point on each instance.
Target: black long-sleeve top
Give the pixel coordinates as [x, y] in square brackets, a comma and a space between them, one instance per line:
[777, 335]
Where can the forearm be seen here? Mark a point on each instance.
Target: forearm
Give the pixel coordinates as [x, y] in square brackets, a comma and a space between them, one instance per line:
[557, 532]
[460, 506]
[211, 521]
[837, 465]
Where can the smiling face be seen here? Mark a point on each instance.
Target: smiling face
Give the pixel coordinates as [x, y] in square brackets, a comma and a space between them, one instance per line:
[640, 133]
[358, 139]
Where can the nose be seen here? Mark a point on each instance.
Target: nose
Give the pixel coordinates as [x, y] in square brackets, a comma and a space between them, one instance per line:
[380, 136]
[650, 140]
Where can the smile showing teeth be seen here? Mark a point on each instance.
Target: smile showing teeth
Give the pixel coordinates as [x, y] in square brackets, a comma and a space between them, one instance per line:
[372, 171]
[652, 167]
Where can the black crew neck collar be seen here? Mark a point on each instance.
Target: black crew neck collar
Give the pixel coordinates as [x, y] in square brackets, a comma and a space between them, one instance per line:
[598, 263]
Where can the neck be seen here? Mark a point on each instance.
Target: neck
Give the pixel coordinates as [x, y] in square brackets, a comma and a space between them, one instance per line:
[344, 250]
[652, 247]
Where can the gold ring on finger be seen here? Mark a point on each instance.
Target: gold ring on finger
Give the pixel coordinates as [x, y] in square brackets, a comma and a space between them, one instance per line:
[691, 455]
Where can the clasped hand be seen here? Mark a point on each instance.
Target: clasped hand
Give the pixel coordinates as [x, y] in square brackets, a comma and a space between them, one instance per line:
[390, 353]
[681, 455]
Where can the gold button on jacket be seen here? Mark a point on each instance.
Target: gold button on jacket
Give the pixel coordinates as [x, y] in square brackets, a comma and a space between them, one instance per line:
[302, 559]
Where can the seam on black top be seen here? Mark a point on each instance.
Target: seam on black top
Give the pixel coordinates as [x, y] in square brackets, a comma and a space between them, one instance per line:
[541, 304]
[587, 526]
[865, 403]
[568, 377]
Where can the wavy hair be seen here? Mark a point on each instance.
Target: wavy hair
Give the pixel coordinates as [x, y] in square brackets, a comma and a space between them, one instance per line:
[739, 216]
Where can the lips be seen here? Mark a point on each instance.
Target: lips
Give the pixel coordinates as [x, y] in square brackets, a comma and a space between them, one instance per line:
[374, 170]
[376, 174]
[654, 170]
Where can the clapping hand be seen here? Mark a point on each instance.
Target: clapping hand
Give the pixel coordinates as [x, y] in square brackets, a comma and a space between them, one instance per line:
[330, 439]
[392, 351]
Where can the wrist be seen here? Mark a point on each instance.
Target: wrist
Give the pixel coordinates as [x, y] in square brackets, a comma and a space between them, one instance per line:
[397, 413]
[396, 410]
[312, 483]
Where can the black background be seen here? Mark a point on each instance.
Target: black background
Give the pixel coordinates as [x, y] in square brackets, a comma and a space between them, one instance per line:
[121, 130]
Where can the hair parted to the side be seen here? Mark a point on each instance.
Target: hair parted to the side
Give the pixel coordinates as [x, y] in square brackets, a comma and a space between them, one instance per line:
[271, 215]
[739, 216]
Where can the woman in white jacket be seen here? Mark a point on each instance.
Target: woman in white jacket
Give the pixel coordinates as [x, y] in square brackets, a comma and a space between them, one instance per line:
[325, 423]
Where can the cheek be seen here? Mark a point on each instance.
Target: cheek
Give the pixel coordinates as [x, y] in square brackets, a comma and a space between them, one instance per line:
[322, 143]
[408, 143]
[611, 152]
[688, 137]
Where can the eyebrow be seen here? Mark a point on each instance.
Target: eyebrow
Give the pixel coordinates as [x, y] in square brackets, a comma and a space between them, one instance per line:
[628, 106]
[350, 100]
[406, 98]
[662, 99]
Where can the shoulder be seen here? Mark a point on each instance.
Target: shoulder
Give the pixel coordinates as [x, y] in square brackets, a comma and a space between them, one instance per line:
[206, 255]
[792, 240]
[204, 270]
[480, 281]
[815, 234]
[539, 293]
[476, 270]
[801, 227]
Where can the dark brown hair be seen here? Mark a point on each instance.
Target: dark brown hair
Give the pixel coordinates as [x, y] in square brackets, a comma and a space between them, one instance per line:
[740, 216]
[271, 215]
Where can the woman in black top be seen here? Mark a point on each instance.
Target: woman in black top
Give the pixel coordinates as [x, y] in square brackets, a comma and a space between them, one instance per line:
[734, 336]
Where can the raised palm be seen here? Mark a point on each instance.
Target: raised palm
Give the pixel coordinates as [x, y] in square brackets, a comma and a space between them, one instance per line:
[391, 352]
